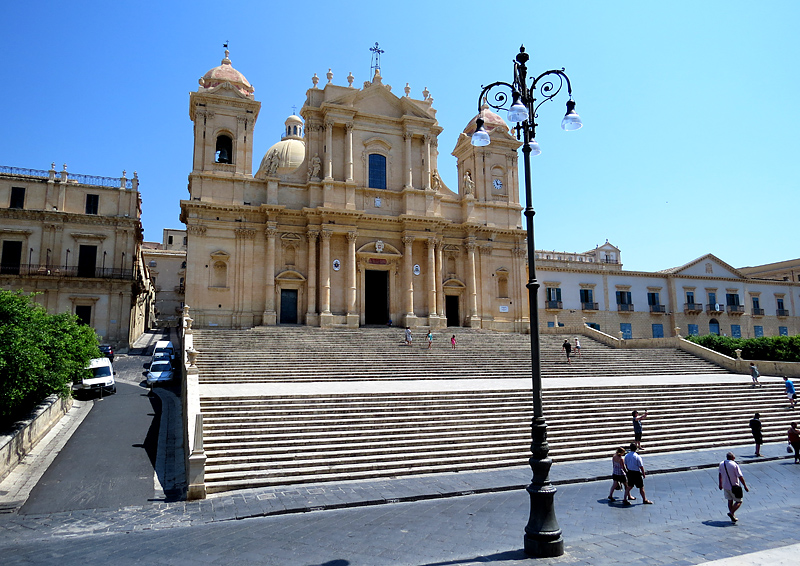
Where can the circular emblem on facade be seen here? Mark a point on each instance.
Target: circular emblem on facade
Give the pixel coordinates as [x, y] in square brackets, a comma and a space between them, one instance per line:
[417, 270]
[337, 265]
[379, 246]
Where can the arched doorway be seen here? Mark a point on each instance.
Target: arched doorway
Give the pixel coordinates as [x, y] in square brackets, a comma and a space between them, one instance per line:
[713, 326]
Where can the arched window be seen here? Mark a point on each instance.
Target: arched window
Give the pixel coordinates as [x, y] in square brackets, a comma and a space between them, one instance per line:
[224, 150]
[377, 171]
[183, 265]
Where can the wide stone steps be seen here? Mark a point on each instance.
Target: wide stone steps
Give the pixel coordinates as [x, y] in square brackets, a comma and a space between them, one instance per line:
[267, 441]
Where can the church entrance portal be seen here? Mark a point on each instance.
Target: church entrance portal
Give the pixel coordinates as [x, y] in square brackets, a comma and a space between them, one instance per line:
[451, 309]
[376, 297]
[288, 306]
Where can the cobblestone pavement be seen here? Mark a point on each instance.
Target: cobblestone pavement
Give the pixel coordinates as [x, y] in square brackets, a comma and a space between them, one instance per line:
[686, 525]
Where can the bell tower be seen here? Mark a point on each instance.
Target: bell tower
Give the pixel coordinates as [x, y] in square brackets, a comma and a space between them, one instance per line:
[224, 113]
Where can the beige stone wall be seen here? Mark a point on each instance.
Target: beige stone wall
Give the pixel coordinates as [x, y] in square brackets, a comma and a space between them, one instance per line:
[52, 225]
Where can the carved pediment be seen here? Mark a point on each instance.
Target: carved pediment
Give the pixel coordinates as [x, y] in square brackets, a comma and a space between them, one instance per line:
[220, 255]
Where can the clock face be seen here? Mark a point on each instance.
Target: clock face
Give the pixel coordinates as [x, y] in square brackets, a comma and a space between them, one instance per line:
[498, 184]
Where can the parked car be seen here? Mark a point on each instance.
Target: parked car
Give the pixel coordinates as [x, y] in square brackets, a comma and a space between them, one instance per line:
[161, 357]
[102, 377]
[160, 372]
[164, 346]
[107, 351]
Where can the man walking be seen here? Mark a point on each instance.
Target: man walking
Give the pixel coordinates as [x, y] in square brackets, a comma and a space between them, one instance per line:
[636, 475]
[755, 428]
[790, 392]
[730, 478]
[567, 347]
[754, 374]
[637, 428]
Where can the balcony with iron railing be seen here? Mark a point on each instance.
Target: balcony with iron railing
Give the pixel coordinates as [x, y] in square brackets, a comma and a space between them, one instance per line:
[625, 308]
[758, 312]
[64, 271]
[589, 306]
[658, 309]
[692, 308]
[76, 178]
[180, 289]
[735, 309]
[715, 308]
[553, 305]
[782, 312]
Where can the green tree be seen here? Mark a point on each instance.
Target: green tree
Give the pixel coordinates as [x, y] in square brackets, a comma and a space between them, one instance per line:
[40, 354]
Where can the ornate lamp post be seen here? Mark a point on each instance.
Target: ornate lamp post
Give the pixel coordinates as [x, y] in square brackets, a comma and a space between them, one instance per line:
[542, 533]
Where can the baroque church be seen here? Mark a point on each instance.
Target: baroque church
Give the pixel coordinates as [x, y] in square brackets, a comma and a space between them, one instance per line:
[346, 221]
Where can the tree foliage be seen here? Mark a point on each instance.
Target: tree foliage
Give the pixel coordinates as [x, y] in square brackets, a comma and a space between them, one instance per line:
[40, 354]
[773, 348]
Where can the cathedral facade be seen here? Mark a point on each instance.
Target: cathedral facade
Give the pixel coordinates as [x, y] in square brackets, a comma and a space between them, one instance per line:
[346, 221]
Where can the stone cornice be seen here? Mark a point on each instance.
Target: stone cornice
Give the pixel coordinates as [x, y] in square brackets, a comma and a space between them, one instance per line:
[67, 217]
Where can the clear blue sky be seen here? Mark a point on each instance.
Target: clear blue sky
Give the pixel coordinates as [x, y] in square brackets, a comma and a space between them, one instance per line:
[691, 136]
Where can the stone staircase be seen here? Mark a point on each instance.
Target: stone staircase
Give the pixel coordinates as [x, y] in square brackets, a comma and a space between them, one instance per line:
[282, 354]
[284, 439]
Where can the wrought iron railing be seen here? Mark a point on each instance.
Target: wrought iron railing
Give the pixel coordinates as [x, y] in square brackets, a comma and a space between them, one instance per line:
[735, 309]
[624, 308]
[693, 307]
[93, 180]
[658, 308]
[589, 306]
[58, 271]
[758, 312]
[552, 304]
[782, 312]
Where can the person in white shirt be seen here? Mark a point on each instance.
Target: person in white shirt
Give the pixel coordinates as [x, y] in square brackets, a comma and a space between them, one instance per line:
[730, 478]
[636, 475]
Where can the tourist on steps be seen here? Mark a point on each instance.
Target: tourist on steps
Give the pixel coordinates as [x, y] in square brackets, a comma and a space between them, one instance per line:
[794, 440]
[730, 476]
[453, 341]
[578, 347]
[618, 473]
[430, 339]
[790, 391]
[755, 427]
[636, 475]
[408, 336]
[637, 428]
[567, 347]
[754, 374]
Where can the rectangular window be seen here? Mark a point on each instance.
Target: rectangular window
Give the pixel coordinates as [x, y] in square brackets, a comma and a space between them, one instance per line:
[92, 204]
[736, 331]
[17, 197]
[732, 299]
[783, 331]
[586, 296]
[11, 257]
[758, 331]
[169, 240]
[551, 324]
[755, 303]
[625, 328]
[652, 299]
[780, 304]
[87, 261]
[185, 240]
[712, 298]
[690, 297]
[84, 314]
[694, 330]
[377, 171]
[658, 331]
[624, 298]
[553, 293]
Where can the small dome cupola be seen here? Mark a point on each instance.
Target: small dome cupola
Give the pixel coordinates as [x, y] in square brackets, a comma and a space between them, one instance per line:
[286, 155]
[491, 121]
[294, 128]
[225, 73]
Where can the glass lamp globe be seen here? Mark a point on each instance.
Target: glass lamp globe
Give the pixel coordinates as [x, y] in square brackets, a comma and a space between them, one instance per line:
[571, 119]
[535, 149]
[480, 138]
[517, 112]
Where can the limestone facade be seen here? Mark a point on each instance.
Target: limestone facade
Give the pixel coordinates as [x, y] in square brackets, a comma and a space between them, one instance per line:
[166, 263]
[703, 296]
[347, 221]
[75, 240]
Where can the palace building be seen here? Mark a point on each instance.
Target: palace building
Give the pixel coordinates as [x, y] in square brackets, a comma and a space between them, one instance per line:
[347, 221]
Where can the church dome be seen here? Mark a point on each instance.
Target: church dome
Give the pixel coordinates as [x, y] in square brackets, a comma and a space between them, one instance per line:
[286, 155]
[225, 73]
[491, 121]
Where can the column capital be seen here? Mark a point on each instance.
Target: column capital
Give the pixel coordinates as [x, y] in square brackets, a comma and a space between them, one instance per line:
[431, 242]
[244, 234]
[485, 249]
[351, 236]
[312, 234]
[408, 240]
[325, 234]
[271, 230]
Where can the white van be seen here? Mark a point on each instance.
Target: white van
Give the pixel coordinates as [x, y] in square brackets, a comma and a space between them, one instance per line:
[102, 377]
[163, 349]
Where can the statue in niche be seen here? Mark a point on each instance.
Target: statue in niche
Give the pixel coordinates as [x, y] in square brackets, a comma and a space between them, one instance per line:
[314, 166]
[468, 184]
[436, 181]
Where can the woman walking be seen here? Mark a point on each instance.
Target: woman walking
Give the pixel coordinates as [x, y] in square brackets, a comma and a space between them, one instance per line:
[618, 473]
[794, 439]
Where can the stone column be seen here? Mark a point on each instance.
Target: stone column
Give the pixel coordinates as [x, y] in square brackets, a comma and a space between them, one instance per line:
[311, 282]
[440, 308]
[432, 314]
[325, 272]
[348, 152]
[407, 161]
[408, 273]
[426, 175]
[270, 316]
[352, 315]
[472, 293]
[487, 307]
[243, 283]
[328, 151]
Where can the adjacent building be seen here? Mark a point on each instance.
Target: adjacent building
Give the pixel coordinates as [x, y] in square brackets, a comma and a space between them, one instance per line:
[704, 296]
[166, 263]
[75, 240]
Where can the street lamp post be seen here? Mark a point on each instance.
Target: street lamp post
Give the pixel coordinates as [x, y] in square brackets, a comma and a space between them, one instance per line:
[542, 533]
